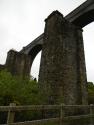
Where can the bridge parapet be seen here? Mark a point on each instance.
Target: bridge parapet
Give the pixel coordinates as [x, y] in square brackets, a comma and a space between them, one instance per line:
[78, 17]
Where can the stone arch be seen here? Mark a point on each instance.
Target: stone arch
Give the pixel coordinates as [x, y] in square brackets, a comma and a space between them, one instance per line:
[84, 19]
[33, 53]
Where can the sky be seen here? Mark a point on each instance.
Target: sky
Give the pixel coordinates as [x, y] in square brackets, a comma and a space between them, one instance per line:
[21, 21]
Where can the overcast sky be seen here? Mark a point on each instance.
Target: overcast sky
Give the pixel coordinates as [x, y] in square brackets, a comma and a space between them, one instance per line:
[21, 21]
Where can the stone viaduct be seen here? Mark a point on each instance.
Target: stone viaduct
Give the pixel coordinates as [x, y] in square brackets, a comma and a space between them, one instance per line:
[62, 76]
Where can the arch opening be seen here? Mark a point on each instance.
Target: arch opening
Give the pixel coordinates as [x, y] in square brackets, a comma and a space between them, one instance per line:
[35, 55]
[89, 50]
[34, 73]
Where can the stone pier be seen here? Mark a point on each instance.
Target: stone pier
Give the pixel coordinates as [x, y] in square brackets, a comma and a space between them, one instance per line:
[62, 76]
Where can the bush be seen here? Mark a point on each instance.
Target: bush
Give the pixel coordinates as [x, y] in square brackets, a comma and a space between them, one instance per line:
[15, 89]
[20, 91]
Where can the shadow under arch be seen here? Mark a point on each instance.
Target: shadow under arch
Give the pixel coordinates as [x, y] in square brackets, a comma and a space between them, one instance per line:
[84, 19]
[33, 53]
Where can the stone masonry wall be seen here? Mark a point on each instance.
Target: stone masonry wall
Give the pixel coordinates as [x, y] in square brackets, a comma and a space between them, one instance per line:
[62, 76]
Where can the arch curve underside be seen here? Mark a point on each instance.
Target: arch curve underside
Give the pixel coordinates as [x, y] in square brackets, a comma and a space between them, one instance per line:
[33, 52]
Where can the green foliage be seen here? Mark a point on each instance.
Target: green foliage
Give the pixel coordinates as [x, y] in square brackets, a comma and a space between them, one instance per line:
[20, 91]
[90, 93]
[14, 89]
[25, 91]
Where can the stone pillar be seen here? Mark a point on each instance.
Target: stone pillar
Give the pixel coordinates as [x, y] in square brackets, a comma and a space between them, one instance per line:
[82, 78]
[18, 63]
[62, 76]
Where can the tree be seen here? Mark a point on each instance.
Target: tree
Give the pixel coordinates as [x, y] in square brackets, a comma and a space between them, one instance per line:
[20, 91]
[15, 89]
